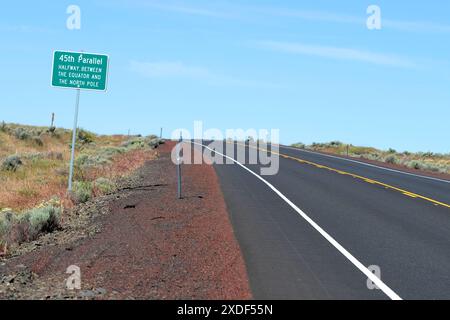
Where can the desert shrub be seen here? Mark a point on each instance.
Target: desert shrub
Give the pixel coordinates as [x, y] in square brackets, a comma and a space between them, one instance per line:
[390, 150]
[104, 185]
[415, 164]
[37, 141]
[84, 161]
[335, 143]
[369, 156]
[6, 220]
[3, 127]
[435, 167]
[153, 143]
[392, 159]
[21, 133]
[43, 220]
[134, 143]
[11, 163]
[82, 191]
[109, 152]
[298, 145]
[85, 137]
[27, 226]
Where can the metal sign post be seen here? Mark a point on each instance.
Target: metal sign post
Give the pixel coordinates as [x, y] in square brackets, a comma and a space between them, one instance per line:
[74, 137]
[79, 70]
[179, 165]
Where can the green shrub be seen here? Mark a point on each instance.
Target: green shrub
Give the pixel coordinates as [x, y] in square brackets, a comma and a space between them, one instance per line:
[414, 164]
[6, 220]
[11, 163]
[105, 186]
[109, 152]
[82, 191]
[43, 220]
[392, 159]
[298, 145]
[3, 127]
[134, 143]
[390, 150]
[369, 156]
[153, 143]
[335, 143]
[19, 228]
[85, 137]
[21, 133]
[84, 161]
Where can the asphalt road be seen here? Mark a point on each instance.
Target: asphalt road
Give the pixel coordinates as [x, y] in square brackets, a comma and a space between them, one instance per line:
[394, 221]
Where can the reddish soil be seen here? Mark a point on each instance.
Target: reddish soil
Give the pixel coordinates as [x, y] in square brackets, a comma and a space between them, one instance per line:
[153, 246]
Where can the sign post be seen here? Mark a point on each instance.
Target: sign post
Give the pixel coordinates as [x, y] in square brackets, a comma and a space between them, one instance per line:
[80, 71]
[74, 137]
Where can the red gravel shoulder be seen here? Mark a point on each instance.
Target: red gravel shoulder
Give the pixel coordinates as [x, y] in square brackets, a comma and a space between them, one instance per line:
[151, 245]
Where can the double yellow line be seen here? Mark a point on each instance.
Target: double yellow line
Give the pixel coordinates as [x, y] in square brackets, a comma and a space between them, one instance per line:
[371, 181]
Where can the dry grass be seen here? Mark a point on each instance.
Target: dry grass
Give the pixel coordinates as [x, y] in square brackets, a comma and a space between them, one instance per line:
[44, 175]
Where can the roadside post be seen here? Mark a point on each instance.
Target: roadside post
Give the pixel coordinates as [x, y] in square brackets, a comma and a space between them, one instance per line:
[179, 165]
[80, 71]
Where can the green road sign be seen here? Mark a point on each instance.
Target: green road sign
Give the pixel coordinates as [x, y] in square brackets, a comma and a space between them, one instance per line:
[79, 70]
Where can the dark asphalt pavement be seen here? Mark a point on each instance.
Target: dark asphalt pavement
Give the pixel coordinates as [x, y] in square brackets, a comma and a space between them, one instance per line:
[286, 258]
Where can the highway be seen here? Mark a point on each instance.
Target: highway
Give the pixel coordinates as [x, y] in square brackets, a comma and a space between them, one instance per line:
[313, 230]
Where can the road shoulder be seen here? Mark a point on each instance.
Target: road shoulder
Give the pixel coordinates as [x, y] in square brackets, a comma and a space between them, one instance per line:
[141, 243]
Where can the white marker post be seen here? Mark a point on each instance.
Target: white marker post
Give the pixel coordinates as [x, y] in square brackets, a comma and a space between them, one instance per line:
[179, 166]
[91, 74]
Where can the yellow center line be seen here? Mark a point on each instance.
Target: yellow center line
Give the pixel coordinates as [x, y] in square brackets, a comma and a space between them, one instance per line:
[371, 181]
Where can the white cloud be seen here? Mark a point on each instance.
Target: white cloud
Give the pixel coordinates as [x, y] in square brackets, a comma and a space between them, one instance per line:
[168, 69]
[339, 53]
[323, 16]
[169, 6]
[230, 10]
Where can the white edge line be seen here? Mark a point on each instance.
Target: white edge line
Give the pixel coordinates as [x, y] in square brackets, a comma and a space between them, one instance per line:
[377, 281]
[366, 164]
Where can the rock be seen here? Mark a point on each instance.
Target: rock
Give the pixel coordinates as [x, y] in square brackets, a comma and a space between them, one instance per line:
[87, 294]
[100, 291]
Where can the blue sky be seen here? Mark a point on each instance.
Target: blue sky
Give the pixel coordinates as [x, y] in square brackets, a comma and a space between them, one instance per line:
[309, 68]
